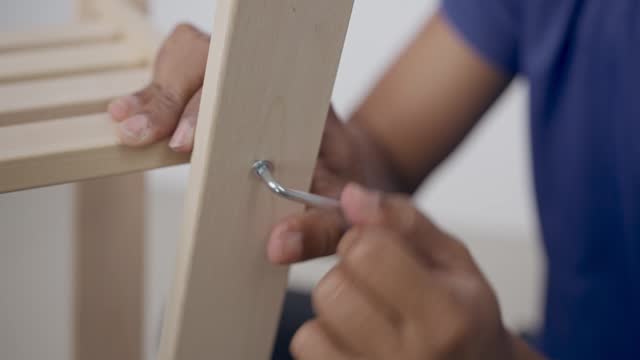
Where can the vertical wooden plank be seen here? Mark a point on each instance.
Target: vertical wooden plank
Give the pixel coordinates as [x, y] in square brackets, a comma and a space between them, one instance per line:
[271, 70]
[109, 268]
[109, 261]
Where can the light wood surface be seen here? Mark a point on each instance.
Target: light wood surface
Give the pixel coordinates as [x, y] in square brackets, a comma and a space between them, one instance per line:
[73, 149]
[60, 35]
[33, 64]
[269, 79]
[68, 96]
[110, 223]
[109, 269]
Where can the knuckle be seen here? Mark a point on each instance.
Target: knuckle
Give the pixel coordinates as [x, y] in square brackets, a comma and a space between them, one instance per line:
[165, 98]
[348, 240]
[366, 251]
[328, 290]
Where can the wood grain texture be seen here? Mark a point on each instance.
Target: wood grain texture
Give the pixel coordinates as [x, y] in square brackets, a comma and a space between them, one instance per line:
[266, 95]
[109, 269]
[60, 35]
[38, 100]
[109, 231]
[34, 64]
[67, 150]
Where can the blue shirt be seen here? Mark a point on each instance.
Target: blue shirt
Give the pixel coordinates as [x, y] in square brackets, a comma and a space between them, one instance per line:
[582, 59]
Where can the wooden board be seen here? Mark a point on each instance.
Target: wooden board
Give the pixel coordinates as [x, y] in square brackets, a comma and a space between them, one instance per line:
[269, 79]
[67, 150]
[90, 8]
[109, 269]
[38, 100]
[110, 244]
[33, 64]
[61, 35]
[109, 236]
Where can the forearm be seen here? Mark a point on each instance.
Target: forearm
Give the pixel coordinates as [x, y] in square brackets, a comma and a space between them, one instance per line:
[427, 102]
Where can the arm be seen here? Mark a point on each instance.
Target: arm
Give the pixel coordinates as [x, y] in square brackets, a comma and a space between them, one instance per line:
[428, 101]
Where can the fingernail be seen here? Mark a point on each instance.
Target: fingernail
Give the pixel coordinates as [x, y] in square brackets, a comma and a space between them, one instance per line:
[136, 128]
[122, 107]
[182, 139]
[365, 203]
[285, 245]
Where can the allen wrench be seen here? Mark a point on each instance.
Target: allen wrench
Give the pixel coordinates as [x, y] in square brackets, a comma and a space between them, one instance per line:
[264, 170]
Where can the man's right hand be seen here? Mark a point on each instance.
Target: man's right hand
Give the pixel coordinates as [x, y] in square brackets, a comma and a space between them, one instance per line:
[168, 108]
[347, 154]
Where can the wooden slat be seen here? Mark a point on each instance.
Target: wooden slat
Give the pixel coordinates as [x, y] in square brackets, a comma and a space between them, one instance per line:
[73, 149]
[35, 64]
[109, 268]
[269, 80]
[65, 97]
[58, 36]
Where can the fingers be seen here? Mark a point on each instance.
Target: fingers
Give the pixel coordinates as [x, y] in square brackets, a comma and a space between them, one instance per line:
[348, 312]
[312, 342]
[382, 262]
[398, 213]
[152, 113]
[309, 235]
[182, 139]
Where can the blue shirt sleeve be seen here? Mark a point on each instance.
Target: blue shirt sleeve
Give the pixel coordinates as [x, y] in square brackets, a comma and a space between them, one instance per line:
[490, 27]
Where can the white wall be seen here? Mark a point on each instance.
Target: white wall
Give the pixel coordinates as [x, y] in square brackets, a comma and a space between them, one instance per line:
[482, 194]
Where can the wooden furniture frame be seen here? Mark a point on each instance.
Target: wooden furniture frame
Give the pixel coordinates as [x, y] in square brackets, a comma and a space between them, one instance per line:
[266, 93]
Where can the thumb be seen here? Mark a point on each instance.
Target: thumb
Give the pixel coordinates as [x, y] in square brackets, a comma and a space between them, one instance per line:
[362, 207]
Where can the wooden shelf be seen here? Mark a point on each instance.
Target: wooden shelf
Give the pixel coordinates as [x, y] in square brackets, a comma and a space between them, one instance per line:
[72, 149]
[61, 35]
[36, 100]
[55, 84]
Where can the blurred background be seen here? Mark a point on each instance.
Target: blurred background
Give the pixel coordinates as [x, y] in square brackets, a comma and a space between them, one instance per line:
[483, 194]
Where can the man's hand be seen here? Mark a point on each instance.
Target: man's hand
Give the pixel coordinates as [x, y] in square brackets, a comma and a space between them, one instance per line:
[168, 107]
[402, 290]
